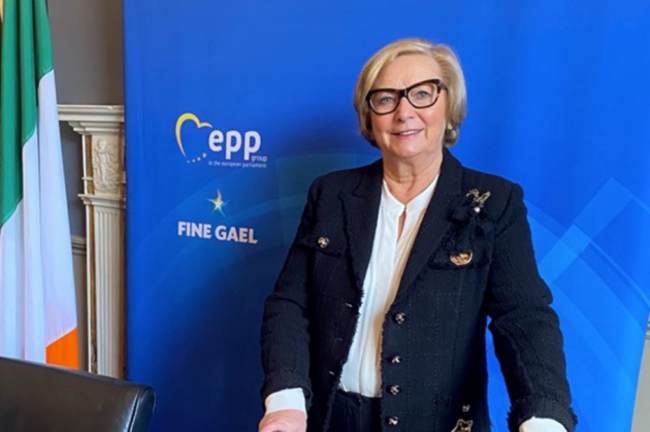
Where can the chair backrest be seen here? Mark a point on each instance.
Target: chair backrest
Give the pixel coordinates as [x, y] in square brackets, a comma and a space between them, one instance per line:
[38, 398]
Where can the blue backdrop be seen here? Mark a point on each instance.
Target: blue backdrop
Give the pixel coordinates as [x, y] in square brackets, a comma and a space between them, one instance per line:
[234, 107]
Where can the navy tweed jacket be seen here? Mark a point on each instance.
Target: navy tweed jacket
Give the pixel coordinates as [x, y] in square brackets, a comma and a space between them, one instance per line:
[433, 369]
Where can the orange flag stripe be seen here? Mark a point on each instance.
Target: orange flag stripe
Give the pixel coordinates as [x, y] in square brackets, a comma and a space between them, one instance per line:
[64, 351]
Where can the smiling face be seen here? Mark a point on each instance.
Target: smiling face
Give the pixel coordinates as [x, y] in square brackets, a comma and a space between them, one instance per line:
[410, 134]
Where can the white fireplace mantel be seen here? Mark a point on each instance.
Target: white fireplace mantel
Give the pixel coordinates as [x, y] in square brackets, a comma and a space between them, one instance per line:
[102, 132]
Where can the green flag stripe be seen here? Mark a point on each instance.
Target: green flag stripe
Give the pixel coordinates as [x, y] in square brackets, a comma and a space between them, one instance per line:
[10, 149]
[44, 59]
[18, 95]
[27, 71]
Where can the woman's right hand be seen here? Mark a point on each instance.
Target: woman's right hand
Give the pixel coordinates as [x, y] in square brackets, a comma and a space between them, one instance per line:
[287, 420]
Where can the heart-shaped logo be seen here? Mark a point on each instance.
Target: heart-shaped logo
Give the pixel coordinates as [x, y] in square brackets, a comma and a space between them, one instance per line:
[179, 125]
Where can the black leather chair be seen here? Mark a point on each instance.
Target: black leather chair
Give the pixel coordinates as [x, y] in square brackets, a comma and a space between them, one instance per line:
[38, 398]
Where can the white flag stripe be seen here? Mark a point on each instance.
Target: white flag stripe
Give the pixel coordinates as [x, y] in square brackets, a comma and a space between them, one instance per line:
[25, 334]
[11, 304]
[34, 320]
[58, 276]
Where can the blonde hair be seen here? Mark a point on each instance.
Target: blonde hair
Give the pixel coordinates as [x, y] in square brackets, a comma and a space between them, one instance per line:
[452, 76]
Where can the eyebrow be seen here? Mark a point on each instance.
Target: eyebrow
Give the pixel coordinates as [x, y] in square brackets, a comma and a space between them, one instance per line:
[405, 88]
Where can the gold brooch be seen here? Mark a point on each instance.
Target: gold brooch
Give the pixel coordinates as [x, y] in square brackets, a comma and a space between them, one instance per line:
[463, 426]
[478, 199]
[462, 258]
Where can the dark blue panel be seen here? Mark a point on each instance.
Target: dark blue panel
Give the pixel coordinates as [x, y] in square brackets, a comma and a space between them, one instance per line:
[559, 101]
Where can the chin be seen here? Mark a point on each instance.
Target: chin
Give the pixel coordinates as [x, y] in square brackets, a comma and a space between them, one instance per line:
[409, 150]
[406, 155]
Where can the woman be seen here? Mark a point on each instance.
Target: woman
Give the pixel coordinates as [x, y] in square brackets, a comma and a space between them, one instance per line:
[377, 320]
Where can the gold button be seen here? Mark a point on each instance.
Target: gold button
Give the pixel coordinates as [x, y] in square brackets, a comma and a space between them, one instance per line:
[393, 421]
[400, 317]
[323, 242]
[396, 360]
[394, 390]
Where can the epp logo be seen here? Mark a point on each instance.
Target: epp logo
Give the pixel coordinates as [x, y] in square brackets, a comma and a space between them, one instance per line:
[232, 142]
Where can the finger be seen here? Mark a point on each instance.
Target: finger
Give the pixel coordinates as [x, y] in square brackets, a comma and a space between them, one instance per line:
[272, 428]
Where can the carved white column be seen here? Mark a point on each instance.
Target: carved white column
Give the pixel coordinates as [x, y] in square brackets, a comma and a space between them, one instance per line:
[102, 131]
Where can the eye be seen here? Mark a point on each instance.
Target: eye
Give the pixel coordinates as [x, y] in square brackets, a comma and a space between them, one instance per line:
[383, 98]
[423, 94]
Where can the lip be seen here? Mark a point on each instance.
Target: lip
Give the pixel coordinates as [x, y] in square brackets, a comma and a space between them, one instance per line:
[407, 133]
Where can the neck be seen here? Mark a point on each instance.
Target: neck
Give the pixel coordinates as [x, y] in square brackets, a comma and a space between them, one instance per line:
[406, 179]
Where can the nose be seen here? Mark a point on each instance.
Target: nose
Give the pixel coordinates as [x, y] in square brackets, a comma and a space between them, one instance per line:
[404, 110]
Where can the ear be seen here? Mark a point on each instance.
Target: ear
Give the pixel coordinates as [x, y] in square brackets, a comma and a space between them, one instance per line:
[451, 135]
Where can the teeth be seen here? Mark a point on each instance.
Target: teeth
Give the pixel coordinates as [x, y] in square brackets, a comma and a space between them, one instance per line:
[411, 132]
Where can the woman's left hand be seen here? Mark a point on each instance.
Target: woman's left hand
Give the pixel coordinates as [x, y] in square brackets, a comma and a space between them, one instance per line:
[287, 420]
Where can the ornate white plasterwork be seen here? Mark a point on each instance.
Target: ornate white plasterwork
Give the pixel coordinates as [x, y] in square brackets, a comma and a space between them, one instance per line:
[102, 130]
[93, 119]
[107, 169]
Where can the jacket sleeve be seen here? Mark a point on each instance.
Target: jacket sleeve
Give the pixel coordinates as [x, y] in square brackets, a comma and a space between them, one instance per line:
[285, 323]
[525, 329]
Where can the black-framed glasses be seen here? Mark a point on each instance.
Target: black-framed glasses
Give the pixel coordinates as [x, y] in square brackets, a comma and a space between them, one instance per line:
[421, 95]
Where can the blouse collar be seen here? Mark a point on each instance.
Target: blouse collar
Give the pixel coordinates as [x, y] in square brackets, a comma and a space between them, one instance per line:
[416, 205]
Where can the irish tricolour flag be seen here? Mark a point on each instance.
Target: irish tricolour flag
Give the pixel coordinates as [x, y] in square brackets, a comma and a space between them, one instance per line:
[37, 299]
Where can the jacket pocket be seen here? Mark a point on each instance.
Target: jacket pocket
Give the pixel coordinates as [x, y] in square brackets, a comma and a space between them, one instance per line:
[327, 249]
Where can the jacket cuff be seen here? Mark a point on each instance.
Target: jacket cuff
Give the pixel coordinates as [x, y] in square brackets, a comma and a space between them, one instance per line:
[542, 407]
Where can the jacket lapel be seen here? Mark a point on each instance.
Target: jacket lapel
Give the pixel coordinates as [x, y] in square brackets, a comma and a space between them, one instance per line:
[436, 221]
[361, 210]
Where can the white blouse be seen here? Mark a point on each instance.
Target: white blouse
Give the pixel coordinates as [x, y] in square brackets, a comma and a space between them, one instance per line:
[390, 251]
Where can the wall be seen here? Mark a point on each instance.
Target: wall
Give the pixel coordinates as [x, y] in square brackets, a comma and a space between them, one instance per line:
[87, 41]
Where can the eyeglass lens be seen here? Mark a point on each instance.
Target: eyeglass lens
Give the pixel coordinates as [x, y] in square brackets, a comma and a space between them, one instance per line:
[420, 96]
